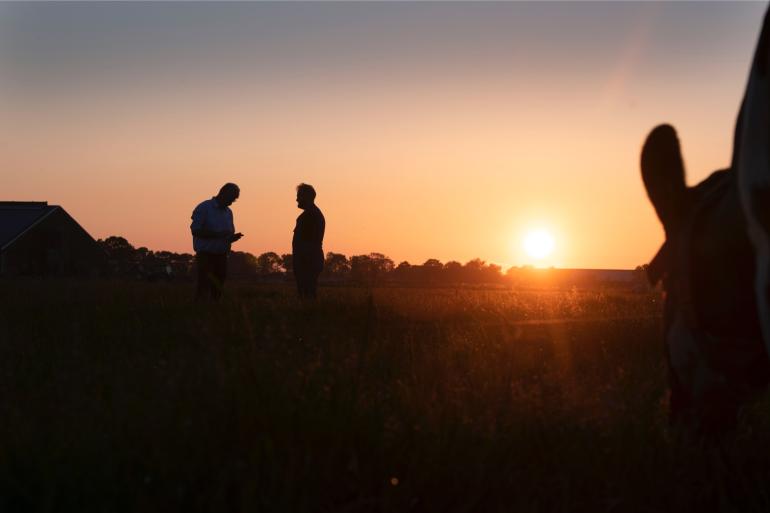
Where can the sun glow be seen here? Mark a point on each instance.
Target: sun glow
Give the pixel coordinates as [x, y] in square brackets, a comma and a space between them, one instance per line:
[539, 244]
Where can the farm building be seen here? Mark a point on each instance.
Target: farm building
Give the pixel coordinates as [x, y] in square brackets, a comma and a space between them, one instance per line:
[38, 239]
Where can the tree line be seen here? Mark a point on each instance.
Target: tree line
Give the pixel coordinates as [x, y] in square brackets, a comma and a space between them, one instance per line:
[125, 260]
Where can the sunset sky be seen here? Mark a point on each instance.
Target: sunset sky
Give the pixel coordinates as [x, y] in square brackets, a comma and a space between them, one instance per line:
[430, 130]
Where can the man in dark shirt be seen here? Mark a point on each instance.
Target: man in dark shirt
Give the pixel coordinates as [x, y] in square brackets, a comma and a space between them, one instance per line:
[307, 244]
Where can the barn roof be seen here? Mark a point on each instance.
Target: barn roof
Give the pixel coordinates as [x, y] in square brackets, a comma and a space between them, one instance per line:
[16, 217]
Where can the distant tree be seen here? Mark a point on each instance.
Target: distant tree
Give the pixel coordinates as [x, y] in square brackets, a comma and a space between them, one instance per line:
[361, 268]
[242, 264]
[154, 265]
[121, 254]
[380, 263]
[430, 271]
[453, 265]
[473, 271]
[145, 259]
[403, 271]
[181, 264]
[117, 248]
[336, 265]
[268, 263]
[287, 262]
[476, 264]
[453, 271]
[492, 273]
[164, 256]
[370, 268]
[142, 253]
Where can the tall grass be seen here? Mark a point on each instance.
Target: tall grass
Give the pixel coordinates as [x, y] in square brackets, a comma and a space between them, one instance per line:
[131, 397]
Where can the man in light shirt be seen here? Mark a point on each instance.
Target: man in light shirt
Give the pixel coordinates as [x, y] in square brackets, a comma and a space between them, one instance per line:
[213, 232]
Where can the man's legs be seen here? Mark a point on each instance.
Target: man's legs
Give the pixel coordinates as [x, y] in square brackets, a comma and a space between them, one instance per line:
[218, 275]
[212, 271]
[202, 290]
[312, 284]
[299, 277]
[307, 283]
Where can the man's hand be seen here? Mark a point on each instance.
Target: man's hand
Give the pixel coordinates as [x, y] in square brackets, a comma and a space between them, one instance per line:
[234, 237]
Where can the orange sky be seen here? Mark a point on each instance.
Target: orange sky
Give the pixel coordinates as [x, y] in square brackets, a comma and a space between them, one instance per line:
[440, 130]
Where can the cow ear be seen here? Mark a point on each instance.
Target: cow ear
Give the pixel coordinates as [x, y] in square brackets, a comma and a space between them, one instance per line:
[663, 174]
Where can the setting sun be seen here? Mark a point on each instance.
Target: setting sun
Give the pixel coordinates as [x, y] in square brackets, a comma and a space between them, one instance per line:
[538, 244]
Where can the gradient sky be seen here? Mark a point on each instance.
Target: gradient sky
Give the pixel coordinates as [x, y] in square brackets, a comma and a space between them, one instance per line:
[443, 130]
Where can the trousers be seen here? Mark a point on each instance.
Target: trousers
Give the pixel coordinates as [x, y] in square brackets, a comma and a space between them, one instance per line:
[212, 272]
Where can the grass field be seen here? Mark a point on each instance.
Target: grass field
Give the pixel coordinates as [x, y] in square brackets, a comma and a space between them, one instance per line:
[130, 397]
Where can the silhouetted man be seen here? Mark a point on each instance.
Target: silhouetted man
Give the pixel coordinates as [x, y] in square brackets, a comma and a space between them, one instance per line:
[307, 244]
[213, 233]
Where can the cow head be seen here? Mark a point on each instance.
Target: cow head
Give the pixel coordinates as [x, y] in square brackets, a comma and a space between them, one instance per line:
[716, 261]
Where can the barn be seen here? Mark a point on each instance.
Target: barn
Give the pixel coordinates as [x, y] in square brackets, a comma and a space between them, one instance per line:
[38, 239]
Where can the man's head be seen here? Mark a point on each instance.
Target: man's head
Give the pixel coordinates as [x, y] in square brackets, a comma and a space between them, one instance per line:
[305, 195]
[228, 194]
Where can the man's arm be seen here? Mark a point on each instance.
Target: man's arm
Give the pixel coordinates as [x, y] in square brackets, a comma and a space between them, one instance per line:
[211, 234]
[198, 226]
[203, 233]
[232, 235]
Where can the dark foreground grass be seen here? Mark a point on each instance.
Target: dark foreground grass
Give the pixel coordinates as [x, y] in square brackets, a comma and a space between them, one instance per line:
[129, 397]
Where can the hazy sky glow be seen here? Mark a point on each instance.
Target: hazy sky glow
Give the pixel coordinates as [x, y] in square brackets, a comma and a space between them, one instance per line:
[444, 130]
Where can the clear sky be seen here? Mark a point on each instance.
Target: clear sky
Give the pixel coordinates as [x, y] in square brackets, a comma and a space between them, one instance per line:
[430, 130]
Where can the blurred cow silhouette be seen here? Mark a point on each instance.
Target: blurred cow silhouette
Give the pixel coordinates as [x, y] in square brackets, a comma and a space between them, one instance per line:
[715, 264]
[751, 158]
